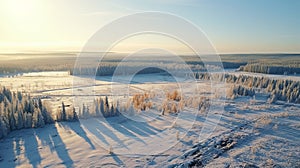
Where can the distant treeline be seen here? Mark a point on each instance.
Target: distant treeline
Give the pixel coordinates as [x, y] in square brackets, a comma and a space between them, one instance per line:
[106, 69]
[271, 69]
[279, 89]
[260, 63]
[36, 63]
[107, 66]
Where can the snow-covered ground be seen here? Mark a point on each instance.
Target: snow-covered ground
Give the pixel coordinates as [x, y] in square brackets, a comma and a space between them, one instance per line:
[250, 132]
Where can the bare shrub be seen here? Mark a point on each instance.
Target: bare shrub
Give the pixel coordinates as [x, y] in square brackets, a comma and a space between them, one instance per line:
[169, 107]
[142, 101]
[175, 95]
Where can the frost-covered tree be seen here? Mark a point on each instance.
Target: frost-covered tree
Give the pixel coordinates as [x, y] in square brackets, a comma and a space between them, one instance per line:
[12, 120]
[20, 118]
[37, 118]
[46, 115]
[3, 128]
[74, 115]
[28, 120]
[63, 112]
[97, 107]
[102, 107]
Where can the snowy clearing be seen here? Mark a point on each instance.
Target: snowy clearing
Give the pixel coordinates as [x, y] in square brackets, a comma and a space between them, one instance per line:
[250, 131]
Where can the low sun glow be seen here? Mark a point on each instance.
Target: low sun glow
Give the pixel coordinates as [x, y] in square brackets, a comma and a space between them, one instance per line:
[20, 10]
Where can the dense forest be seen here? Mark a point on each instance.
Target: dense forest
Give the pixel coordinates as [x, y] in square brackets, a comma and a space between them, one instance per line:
[271, 69]
[19, 111]
[279, 89]
[65, 61]
[107, 66]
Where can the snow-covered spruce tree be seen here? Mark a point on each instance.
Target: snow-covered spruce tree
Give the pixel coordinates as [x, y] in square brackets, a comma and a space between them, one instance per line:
[83, 111]
[12, 120]
[3, 128]
[106, 107]
[28, 120]
[46, 115]
[63, 112]
[20, 116]
[74, 115]
[97, 107]
[20, 97]
[37, 118]
[101, 106]
[112, 111]
[40, 104]
[131, 111]
[58, 115]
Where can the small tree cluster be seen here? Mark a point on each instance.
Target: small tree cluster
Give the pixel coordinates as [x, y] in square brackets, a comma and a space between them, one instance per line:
[239, 90]
[101, 107]
[18, 111]
[142, 101]
[64, 114]
[170, 107]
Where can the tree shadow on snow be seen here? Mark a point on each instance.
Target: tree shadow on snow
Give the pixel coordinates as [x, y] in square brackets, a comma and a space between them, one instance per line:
[101, 131]
[76, 127]
[32, 150]
[10, 149]
[53, 140]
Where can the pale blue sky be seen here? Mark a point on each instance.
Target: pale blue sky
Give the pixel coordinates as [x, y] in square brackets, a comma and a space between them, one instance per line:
[233, 26]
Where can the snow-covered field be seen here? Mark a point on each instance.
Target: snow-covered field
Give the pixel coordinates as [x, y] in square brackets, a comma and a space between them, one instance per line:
[250, 132]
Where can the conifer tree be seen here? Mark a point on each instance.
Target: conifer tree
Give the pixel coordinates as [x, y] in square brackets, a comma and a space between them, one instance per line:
[63, 112]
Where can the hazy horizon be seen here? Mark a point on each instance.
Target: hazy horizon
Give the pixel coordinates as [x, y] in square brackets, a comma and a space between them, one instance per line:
[231, 26]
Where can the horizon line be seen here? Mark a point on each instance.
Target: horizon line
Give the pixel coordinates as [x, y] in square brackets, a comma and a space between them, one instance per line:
[191, 54]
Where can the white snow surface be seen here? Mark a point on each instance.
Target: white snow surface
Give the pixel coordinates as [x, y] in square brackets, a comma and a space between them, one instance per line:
[250, 131]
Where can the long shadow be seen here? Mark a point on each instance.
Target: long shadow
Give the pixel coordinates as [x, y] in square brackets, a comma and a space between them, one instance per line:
[140, 128]
[46, 137]
[9, 152]
[117, 159]
[32, 150]
[75, 126]
[55, 143]
[60, 149]
[284, 131]
[125, 131]
[98, 129]
[128, 129]
[19, 147]
[29, 147]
